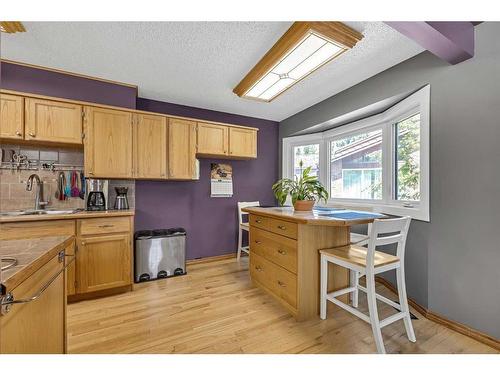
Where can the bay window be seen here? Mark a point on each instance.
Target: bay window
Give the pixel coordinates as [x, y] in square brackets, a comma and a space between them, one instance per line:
[381, 161]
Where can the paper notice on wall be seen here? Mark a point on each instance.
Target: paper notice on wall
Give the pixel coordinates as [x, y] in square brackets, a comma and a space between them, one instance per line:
[221, 179]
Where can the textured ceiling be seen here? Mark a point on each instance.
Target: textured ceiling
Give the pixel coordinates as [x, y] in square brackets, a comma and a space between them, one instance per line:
[199, 63]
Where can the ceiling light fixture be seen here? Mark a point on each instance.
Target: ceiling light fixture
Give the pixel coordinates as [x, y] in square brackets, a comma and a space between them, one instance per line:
[305, 47]
[11, 27]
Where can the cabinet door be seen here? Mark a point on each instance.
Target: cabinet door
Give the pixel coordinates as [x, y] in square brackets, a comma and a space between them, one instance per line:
[181, 149]
[11, 116]
[108, 143]
[37, 327]
[212, 139]
[150, 146]
[242, 142]
[52, 121]
[103, 262]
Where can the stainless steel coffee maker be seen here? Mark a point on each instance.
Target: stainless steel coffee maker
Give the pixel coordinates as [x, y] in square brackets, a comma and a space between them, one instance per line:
[96, 192]
[121, 200]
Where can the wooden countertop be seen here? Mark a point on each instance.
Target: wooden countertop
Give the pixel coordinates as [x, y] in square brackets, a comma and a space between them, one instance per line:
[31, 254]
[324, 216]
[76, 215]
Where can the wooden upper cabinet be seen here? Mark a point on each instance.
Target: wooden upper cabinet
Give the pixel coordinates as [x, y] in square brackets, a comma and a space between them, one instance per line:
[181, 149]
[52, 121]
[104, 262]
[242, 143]
[11, 116]
[150, 146]
[108, 143]
[212, 139]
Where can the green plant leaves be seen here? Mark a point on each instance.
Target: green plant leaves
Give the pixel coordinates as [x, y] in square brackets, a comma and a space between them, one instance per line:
[303, 187]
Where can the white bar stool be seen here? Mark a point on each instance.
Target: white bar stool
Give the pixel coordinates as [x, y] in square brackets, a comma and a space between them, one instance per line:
[243, 226]
[369, 262]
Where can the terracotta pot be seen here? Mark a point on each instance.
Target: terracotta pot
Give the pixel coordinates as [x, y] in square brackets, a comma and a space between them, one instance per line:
[303, 205]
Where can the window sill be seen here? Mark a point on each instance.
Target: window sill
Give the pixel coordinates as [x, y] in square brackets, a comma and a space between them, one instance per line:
[417, 212]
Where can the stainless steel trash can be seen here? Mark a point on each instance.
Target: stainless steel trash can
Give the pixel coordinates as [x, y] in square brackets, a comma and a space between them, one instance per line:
[159, 253]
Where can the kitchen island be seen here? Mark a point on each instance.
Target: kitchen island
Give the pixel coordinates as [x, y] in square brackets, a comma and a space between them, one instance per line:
[33, 295]
[284, 256]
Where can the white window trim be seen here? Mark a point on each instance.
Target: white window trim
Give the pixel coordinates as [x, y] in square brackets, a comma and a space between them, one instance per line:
[417, 102]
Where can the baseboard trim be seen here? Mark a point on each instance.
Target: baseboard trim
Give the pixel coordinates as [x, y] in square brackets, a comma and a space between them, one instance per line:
[210, 259]
[451, 324]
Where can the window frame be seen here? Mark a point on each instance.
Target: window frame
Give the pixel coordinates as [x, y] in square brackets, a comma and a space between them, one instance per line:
[419, 102]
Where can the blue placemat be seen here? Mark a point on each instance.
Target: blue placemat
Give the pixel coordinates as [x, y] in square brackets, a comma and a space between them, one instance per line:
[328, 209]
[352, 215]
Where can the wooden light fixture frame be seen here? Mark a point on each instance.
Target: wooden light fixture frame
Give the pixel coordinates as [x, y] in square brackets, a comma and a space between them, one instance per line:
[337, 32]
[11, 27]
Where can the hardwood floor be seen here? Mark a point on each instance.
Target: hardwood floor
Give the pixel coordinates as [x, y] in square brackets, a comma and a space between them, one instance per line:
[215, 309]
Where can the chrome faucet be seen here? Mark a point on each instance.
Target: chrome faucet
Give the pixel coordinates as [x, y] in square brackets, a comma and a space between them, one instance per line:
[38, 192]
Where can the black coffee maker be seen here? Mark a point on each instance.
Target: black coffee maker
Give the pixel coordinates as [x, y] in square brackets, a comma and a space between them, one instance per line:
[96, 191]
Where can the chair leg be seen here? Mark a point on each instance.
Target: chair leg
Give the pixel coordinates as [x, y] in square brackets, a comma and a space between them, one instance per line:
[323, 287]
[372, 308]
[240, 243]
[355, 283]
[403, 302]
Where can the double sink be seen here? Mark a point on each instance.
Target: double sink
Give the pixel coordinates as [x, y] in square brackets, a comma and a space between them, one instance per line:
[38, 212]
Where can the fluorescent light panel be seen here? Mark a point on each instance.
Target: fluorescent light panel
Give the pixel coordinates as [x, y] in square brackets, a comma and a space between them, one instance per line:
[308, 55]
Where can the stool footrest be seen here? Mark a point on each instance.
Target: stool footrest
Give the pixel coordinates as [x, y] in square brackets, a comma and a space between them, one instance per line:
[352, 310]
[382, 298]
[392, 319]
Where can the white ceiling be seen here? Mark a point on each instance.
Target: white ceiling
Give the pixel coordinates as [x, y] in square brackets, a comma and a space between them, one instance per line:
[199, 63]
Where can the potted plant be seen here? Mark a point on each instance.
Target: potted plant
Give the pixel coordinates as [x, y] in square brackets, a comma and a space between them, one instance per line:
[304, 190]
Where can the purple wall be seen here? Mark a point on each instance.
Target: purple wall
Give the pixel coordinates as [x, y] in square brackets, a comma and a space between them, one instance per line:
[211, 223]
[44, 82]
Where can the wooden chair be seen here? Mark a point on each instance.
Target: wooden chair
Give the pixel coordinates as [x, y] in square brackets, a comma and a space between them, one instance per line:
[243, 226]
[369, 262]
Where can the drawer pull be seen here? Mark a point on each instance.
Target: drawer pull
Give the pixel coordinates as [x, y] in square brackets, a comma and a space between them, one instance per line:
[106, 226]
[282, 227]
[281, 284]
[33, 135]
[258, 221]
[258, 268]
[282, 252]
[258, 242]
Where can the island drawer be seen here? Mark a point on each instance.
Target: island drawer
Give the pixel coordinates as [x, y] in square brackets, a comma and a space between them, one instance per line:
[278, 249]
[278, 280]
[281, 227]
[104, 225]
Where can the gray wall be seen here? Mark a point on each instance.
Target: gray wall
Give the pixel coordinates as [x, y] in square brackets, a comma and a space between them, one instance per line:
[453, 262]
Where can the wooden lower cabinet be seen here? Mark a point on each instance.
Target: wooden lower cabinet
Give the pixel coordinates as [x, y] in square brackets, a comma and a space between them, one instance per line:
[285, 261]
[37, 327]
[104, 262]
[103, 251]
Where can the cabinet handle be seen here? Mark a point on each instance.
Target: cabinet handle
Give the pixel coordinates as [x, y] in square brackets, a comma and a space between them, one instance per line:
[19, 134]
[257, 242]
[282, 252]
[83, 243]
[32, 134]
[281, 284]
[282, 227]
[258, 268]
[106, 226]
[91, 172]
[258, 221]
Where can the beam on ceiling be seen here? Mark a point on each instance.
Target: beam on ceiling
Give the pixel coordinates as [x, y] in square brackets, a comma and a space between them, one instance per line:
[450, 41]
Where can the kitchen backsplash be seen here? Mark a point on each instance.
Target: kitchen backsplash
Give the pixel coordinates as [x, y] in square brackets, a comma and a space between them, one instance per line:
[13, 193]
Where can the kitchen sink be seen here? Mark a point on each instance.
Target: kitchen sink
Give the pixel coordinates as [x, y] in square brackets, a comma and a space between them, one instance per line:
[38, 212]
[6, 263]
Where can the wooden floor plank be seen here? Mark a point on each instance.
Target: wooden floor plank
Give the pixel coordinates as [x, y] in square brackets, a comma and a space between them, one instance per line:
[216, 309]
